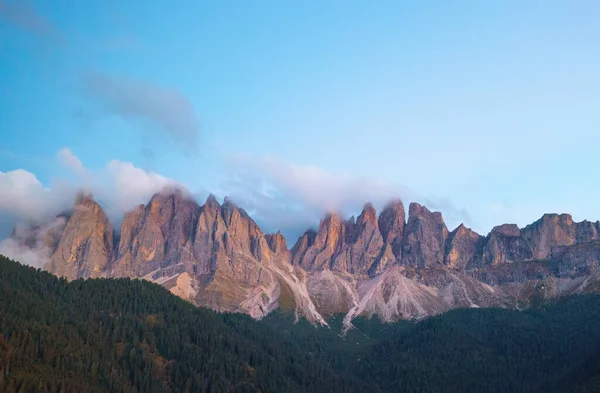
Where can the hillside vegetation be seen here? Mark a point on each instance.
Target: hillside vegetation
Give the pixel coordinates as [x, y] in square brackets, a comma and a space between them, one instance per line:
[121, 335]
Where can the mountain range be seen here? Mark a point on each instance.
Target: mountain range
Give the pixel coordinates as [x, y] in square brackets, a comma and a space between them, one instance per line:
[388, 265]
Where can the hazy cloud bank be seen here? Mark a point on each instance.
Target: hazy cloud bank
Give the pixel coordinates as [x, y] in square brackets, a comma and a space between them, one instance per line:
[158, 108]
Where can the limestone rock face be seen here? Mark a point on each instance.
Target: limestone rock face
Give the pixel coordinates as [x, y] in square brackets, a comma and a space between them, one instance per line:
[345, 246]
[304, 243]
[315, 250]
[505, 244]
[462, 248]
[157, 235]
[586, 231]
[86, 243]
[276, 242]
[216, 256]
[364, 243]
[424, 238]
[391, 224]
[552, 230]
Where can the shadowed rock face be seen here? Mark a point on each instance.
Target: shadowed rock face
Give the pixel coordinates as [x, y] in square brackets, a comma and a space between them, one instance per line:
[391, 225]
[157, 235]
[304, 243]
[216, 256]
[344, 246]
[276, 243]
[505, 244]
[424, 238]
[462, 248]
[86, 243]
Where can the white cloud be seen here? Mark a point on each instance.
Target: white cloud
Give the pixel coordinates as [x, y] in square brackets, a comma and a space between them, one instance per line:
[119, 187]
[279, 195]
[27, 245]
[130, 186]
[293, 197]
[31, 209]
[71, 161]
[24, 197]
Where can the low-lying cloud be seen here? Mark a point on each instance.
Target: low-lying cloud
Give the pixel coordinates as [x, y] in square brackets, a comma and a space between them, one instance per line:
[293, 197]
[278, 195]
[31, 245]
[23, 197]
[119, 186]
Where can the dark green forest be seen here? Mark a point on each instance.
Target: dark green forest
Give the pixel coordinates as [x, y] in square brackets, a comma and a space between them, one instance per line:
[121, 335]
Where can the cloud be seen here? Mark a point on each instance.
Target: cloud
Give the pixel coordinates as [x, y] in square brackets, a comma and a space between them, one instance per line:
[119, 187]
[277, 194]
[71, 161]
[31, 244]
[293, 197]
[130, 186]
[30, 210]
[26, 17]
[23, 197]
[158, 107]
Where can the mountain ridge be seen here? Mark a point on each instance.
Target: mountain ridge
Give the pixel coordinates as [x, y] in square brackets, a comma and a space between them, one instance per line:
[389, 265]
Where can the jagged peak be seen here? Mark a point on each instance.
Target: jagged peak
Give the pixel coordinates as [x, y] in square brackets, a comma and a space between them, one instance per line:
[84, 197]
[276, 242]
[507, 230]
[309, 233]
[211, 200]
[169, 192]
[416, 210]
[394, 204]
[368, 214]
[332, 216]
[462, 229]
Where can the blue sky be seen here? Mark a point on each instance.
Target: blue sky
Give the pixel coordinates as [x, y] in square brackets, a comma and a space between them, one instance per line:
[486, 111]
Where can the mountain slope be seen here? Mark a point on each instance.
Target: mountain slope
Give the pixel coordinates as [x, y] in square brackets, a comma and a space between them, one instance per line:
[134, 336]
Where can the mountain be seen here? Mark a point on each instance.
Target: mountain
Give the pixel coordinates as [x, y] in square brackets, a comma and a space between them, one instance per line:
[387, 265]
[121, 335]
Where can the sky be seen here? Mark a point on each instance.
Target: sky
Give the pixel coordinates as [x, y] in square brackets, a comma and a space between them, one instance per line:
[486, 111]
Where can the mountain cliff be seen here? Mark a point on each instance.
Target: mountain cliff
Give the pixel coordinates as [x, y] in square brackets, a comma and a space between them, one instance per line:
[388, 265]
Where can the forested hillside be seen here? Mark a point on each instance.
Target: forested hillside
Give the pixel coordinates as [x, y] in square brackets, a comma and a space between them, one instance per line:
[134, 336]
[121, 335]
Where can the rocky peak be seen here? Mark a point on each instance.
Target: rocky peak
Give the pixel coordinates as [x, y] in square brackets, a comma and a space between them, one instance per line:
[366, 221]
[424, 237]
[86, 243]
[84, 198]
[229, 210]
[304, 243]
[507, 230]
[462, 247]
[129, 228]
[276, 242]
[552, 230]
[504, 244]
[331, 232]
[391, 224]
[586, 231]
[367, 216]
[157, 235]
